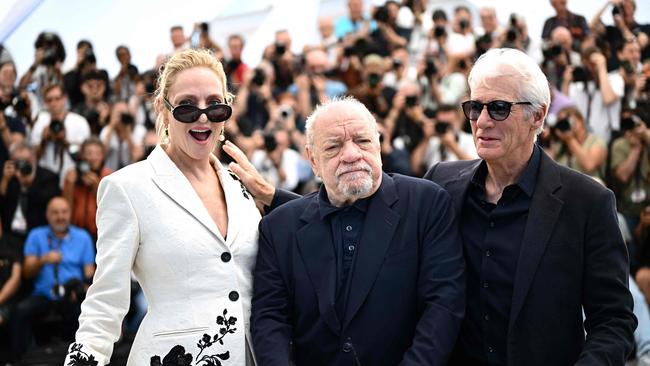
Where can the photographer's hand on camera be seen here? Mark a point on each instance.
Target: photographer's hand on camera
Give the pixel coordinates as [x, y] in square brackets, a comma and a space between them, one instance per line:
[51, 257]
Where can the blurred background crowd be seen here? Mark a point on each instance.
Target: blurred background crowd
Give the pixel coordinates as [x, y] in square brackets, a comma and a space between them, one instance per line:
[63, 130]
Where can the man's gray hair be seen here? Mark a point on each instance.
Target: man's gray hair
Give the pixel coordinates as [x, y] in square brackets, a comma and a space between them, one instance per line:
[337, 102]
[509, 65]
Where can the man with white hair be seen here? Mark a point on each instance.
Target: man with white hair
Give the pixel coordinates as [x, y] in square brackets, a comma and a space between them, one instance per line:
[366, 271]
[541, 241]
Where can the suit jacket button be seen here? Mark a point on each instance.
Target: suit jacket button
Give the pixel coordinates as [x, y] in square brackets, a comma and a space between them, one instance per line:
[233, 296]
[226, 257]
[347, 347]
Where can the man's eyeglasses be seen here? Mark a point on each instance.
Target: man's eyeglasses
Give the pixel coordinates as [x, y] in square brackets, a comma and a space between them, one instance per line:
[188, 113]
[497, 109]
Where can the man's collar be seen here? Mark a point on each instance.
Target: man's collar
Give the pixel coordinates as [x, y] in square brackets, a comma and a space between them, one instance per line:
[527, 179]
[326, 208]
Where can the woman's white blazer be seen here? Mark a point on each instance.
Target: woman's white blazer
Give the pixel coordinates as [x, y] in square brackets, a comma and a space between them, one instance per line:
[198, 285]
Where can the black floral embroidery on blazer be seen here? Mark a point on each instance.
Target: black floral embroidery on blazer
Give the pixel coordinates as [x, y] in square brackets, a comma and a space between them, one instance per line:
[79, 357]
[178, 357]
[244, 191]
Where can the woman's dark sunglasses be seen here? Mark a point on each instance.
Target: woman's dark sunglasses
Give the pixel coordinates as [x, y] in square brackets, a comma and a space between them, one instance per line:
[497, 109]
[188, 113]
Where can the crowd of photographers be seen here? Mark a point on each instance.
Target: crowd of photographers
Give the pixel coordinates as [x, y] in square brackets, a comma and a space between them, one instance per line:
[62, 131]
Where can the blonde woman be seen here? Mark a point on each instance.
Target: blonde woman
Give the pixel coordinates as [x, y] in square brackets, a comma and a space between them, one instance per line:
[185, 227]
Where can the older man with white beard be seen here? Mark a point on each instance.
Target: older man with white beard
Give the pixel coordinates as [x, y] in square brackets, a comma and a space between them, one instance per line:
[368, 270]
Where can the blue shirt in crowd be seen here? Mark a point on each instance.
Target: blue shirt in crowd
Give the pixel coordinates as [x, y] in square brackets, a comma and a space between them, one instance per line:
[492, 237]
[77, 251]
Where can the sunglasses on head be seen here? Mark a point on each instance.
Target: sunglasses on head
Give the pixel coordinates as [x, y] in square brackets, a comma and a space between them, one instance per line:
[497, 109]
[188, 113]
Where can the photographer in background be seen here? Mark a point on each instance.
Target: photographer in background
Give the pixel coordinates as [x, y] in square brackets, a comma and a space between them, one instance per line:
[81, 182]
[61, 259]
[461, 41]
[13, 102]
[575, 23]
[406, 117]
[631, 69]
[377, 97]
[128, 76]
[53, 152]
[141, 102]
[314, 85]
[574, 147]
[445, 140]
[121, 138]
[235, 67]
[76, 127]
[558, 54]
[94, 108]
[630, 168]
[254, 100]
[276, 161]
[46, 69]
[284, 62]
[25, 189]
[86, 62]
[385, 38]
[625, 29]
[596, 92]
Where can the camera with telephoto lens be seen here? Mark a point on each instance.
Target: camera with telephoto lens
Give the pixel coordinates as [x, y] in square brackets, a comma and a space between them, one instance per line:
[23, 167]
[82, 167]
[464, 24]
[56, 126]
[442, 127]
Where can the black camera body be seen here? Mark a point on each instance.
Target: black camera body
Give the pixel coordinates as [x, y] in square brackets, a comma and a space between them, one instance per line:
[439, 31]
[56, 126]
[563, 125]
[580, 74]
[127, 119]
[24, 167]
[441, 127]
[280, 48]
[411, 100]
[551, 51]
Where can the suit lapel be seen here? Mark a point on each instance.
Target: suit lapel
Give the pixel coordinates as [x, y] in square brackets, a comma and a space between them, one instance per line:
[317, 252]
[174, 184]
[543, 213]
[458, 186]
[378, 229]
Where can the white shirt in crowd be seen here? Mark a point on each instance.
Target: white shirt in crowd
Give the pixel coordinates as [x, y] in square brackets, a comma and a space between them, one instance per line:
[434, 153]
[76, 129]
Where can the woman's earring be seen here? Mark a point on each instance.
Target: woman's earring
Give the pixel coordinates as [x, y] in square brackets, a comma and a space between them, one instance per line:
[222, 137]
[165, 140]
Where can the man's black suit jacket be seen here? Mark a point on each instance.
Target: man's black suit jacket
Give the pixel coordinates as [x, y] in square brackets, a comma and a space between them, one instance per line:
[406, 299]
[572, 257]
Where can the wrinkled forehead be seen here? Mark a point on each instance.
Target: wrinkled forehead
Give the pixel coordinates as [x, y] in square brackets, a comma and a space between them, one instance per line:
[344, 123]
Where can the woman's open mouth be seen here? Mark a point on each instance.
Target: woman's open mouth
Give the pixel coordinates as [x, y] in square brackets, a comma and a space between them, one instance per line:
[200, 135]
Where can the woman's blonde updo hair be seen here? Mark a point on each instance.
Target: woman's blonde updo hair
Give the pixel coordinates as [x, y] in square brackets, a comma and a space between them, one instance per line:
[180, 61]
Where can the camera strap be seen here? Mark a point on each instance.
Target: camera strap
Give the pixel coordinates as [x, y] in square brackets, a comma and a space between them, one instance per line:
[56, 265]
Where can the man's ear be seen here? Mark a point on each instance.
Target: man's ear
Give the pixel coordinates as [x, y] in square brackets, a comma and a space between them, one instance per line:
[538, 117]
[312, 161]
